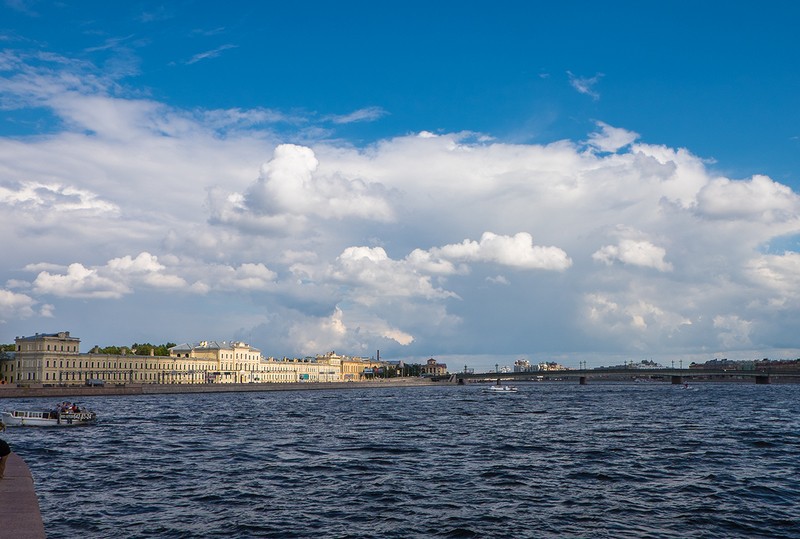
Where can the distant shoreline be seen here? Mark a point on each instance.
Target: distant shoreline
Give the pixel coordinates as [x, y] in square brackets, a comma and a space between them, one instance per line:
[14, 392]
[9, 391]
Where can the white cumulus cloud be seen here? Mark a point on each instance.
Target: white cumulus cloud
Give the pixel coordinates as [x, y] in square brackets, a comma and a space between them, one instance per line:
[516, 251]
[759, 198]
[608, 243]
[635, 253]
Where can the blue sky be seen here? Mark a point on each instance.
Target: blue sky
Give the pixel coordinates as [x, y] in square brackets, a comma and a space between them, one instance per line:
[470, 181]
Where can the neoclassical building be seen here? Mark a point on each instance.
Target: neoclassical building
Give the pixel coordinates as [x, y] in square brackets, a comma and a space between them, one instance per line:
[434, 368]
[56, 359]
[218, 362]
[237, 362]
[359, 368]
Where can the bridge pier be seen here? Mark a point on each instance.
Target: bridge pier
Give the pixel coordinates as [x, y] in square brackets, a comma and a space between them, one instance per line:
[582, 380]
[762, 379]
[677, 379]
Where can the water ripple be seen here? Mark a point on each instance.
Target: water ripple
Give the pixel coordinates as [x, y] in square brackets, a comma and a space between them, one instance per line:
[552, 461]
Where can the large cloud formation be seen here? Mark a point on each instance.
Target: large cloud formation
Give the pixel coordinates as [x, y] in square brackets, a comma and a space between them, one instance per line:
[417, 245]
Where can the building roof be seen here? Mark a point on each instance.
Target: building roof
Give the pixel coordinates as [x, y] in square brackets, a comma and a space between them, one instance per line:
[213, 345]
[39, 336]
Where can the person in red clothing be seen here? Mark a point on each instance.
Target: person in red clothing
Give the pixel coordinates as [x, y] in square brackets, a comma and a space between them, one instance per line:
[5, 451]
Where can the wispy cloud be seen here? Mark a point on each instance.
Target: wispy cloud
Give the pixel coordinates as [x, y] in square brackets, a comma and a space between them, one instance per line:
[208, 33]
[160, 13]
[111, 43]
[23, 6]
[611, 139]
[367, 114]
[585, 85]
[210, 54]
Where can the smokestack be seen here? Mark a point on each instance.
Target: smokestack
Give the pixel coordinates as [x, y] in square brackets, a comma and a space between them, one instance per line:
[379, 355]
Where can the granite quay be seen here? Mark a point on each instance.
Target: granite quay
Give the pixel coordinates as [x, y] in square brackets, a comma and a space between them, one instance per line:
[10, 391]
[20, 506]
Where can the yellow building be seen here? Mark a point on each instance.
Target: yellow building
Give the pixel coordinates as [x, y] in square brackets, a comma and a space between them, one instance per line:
[360, 368]
[44, 358]
[55, 359]
[298, 370]
[219, 362]
[434, 368]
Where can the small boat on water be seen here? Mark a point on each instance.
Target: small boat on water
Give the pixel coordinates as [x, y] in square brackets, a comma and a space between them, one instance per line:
[501, 389]
[63, 415]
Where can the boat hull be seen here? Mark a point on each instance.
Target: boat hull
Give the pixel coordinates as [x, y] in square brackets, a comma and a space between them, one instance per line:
[501, 389]
[22, 418]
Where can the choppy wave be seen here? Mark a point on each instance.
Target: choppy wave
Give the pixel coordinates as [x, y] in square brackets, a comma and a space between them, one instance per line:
[553, 460]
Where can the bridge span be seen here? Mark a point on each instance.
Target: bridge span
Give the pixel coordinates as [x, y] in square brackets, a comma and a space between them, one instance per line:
[675, 376]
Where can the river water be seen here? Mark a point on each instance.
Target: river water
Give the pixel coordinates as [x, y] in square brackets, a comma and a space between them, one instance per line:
[553, 460]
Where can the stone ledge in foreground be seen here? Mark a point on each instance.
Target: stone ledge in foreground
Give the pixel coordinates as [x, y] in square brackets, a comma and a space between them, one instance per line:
[21, 517]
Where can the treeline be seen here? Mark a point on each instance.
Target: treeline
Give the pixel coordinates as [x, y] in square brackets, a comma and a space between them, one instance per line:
[135, 349]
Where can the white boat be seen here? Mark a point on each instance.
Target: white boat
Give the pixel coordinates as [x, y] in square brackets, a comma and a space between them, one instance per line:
[501, 389]
[61, 416]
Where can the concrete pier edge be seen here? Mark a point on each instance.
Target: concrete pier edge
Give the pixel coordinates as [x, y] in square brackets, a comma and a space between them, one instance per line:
[21, 517]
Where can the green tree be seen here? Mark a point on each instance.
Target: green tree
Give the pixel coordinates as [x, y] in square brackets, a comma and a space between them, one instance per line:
[110, 350]
[156, 349]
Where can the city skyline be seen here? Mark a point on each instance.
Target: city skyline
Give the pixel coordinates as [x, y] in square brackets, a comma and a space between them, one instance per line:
[470, 183]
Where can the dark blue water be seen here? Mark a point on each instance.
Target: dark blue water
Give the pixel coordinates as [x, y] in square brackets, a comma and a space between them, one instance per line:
[554, 460]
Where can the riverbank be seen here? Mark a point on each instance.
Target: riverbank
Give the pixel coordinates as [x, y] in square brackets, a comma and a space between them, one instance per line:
[36, 390]
[21, 518]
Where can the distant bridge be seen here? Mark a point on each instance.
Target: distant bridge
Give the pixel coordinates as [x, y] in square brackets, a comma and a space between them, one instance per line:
[675, 376]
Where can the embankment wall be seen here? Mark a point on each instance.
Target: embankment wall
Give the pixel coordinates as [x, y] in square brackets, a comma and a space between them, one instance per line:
[16, 392]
